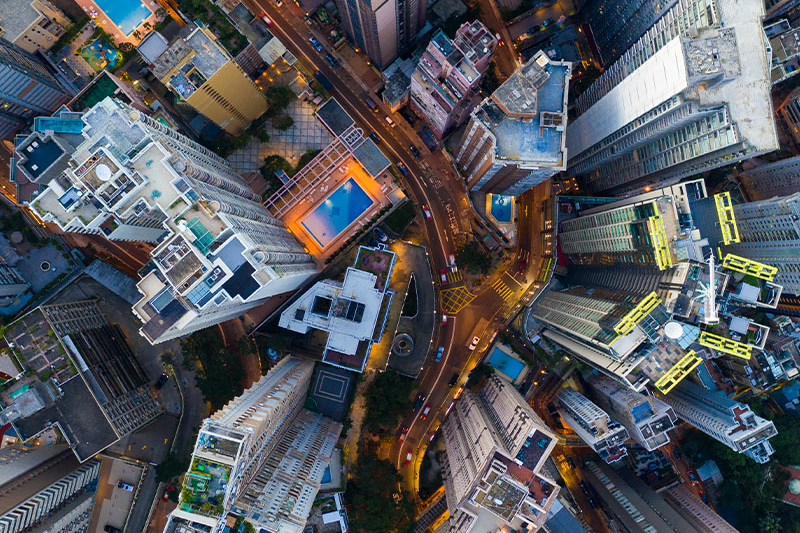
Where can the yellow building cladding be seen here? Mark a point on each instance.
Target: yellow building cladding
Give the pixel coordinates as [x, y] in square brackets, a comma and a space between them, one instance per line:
[725, 345]
[727, 222]
[229, 98]
[680, 370]
[748, 266]
[658, 238]
[635, 315]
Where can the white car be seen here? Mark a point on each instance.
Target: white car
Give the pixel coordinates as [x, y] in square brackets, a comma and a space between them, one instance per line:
[474, 343]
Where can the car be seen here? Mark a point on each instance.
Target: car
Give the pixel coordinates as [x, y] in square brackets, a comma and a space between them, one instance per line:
[419, 401]
[403, 433]
[323, 80]
[332, 60]
[692, 476]
[371, 103]
[315, 43]
[570, 462]
[389, 121]
[439, 353]
[453, 380]
[111, 529]
[474, 343]
[546, 23]
[443, 275]
[266, 19]
[451, 261]
[307, 19]
[427, 212]
[533, 29]
[162, 379]
[278, 3]
[677, 452]
[409, 455]
[380, 235]
[374, 136]
[125, 486]
[522, 266]
[402, 168]
[414, 150]
[444, 318]
[424, 414]
[704, 497]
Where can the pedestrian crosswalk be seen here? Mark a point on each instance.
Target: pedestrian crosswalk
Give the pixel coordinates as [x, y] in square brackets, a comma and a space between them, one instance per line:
[502, 289]
[454, 277]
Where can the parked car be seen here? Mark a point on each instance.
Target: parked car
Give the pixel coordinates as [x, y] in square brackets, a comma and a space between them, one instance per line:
[424, 414]
[451, 260]
[546, 23]
[315, 43]
[474, 343]
[389, 121]
[111, 529]
[307, 19]
[409, 455]
[371, 103]
[402, 168]
[419, 401]
[266, 19]
[380, 235]
[374, 136]
[439, 353]
[403, 434]
[453, 380]
[427, 212]
[332, 60]
[125, 486]
[414, 150]
[162, 379]
[443, 275]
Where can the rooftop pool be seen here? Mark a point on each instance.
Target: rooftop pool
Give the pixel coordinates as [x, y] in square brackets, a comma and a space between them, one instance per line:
[501, 208]
[509, 366]
[335, 214]
[127, 15]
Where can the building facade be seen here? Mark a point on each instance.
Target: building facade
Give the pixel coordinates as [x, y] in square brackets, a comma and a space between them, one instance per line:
[690, 95]
[202, 73]
[128, 177]
[32, 24]
[769, 232]
[12, 285]
[27, 89]
[700, 515]
[593, 425]
[383, 30]
[496, 447]
[445, 86]
[730, 422]
[262, 456]
[646, 418]
[781, 178]
[516, 138]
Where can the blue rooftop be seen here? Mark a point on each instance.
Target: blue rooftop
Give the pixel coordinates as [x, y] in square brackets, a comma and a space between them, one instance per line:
[40, 157]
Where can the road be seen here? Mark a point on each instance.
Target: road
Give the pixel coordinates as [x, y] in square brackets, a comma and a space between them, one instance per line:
[505, 57]
[554, 11]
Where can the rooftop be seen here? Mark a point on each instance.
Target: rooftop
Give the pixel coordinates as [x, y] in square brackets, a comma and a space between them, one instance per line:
[334, 117]
[17, 16]
[371, 158]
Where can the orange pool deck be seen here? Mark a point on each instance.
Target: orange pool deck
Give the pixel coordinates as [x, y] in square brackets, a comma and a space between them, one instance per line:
[350, 168]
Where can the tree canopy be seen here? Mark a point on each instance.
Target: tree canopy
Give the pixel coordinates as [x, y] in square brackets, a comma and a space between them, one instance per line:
[221, 371]
[473, 258]
[375, 503]
[387, 398]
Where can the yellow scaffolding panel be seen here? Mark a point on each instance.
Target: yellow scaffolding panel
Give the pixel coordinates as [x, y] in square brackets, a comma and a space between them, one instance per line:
[658, 236]
[748, 266]
[635, 315]
[682, 368]
[727, 222]
[725, 345]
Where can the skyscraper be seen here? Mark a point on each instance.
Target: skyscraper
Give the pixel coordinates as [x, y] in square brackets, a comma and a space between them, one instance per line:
[33, 24]
[27, 89]
[262, 457]
[516, 137]
[445, 87]
[202, 73]
[128, 177]
[690, 95]
[647, 419]
[728, 421]
[700, 515]
[780, 178]
[769, 232]
[382, 29]
[593, 425]
[495, 449]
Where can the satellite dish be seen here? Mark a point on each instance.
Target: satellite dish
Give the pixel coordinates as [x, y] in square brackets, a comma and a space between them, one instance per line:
[673, 330]
[103, 172]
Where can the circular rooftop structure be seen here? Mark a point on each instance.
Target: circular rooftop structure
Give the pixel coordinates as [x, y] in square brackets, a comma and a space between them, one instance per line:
[673, 330]
[103, 172]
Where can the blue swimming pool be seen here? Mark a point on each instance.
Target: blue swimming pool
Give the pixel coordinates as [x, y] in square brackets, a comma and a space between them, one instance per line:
[504, 363]
[326, 476]
[343, 207]
[125, 14]
[501, 208]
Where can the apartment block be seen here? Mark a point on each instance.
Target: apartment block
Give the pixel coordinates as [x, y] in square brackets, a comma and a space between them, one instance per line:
[445, 86]
[496, 447]
[32, 24]
[781, 178]
[261, 456]
[198, 69]
[690, 95]
[12, 285]
[593, 425]
[56, 496]
[728, 421]
[27, 89]
[647, 419]
[697, 513]
[516, 138]
[118, 173]
[89, 383]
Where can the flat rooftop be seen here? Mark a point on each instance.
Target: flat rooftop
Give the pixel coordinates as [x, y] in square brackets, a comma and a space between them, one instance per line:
[371, 158]
[334, 117]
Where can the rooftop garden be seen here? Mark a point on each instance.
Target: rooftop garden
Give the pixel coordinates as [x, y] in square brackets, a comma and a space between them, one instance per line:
[204, 487]
[39, 349]
[377, 262]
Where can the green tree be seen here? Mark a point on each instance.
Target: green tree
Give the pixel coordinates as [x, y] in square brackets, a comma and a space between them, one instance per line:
[478, 374]
[490, 83]
[170, 467]
[376, 505]
[473, 258]
[278, 99]
[282, 122]
[387, 398]
[221, 370]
